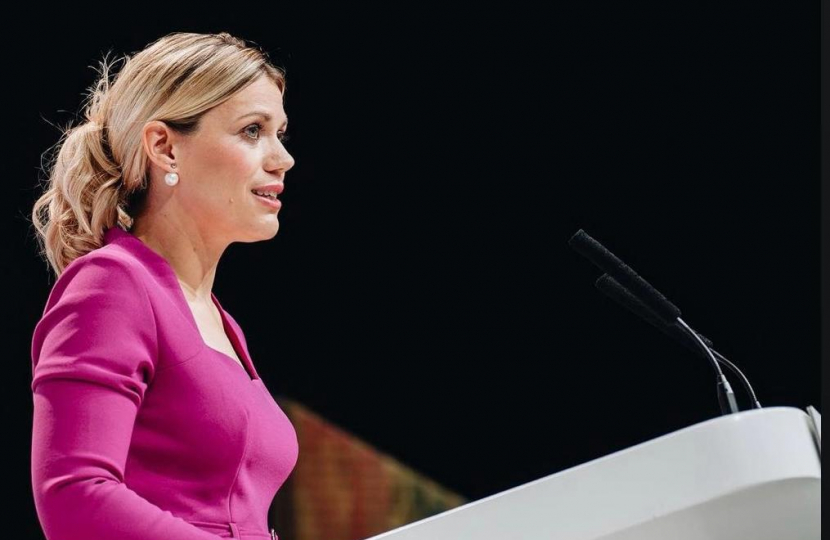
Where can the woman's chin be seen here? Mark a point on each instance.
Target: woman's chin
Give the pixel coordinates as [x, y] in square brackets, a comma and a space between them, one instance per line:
[272, 231]
[263, 232]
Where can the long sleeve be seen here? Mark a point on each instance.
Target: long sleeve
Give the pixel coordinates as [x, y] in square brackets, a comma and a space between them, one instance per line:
[94, 353]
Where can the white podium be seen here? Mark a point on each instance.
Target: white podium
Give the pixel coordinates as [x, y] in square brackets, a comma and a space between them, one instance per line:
[750, 475]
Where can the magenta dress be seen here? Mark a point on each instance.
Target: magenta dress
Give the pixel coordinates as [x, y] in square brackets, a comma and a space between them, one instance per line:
[141, 430]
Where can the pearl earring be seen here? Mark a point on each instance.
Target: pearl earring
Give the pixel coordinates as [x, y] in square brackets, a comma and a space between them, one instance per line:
[171, 178]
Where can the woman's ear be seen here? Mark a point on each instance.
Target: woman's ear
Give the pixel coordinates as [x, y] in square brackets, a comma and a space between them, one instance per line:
[158, 140]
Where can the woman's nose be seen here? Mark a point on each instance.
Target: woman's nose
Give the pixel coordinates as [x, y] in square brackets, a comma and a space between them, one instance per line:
[288, 160]
[281, 158]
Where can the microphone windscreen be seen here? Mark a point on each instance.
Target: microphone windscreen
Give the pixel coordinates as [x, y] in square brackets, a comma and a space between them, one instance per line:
[612, 288]
[588, 247]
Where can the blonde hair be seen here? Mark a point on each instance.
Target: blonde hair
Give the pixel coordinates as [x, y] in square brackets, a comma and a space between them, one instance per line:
[100, 174]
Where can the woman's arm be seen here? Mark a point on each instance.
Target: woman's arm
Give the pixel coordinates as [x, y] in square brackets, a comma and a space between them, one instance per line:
[94, 353]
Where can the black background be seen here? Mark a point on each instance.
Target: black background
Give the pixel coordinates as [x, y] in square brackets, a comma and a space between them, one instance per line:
[421, 293]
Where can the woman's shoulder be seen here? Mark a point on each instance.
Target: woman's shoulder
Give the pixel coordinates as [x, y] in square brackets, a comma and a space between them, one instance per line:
[110, 256]
[105, 270]
[97, 319]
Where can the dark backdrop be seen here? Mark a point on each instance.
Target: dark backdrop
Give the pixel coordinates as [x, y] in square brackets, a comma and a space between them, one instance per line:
[421, 293]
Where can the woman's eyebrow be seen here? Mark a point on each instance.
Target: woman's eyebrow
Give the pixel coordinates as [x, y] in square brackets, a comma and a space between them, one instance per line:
[263, 114]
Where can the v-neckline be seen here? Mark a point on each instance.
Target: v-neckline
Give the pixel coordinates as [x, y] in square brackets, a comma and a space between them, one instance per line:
[230, 331]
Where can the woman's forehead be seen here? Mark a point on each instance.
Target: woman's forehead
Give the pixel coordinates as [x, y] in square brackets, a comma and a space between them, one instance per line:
[263, 97]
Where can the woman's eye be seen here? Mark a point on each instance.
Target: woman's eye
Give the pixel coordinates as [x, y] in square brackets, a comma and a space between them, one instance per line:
[281, 135]
[258, 126]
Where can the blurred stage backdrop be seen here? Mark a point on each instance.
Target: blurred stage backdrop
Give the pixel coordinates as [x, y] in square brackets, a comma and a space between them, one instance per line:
[344, 488]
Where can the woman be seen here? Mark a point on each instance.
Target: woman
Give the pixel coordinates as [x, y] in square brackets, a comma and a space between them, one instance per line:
[150, 421]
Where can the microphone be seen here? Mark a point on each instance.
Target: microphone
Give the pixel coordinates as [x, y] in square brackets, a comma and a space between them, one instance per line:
[612, 288]
[628, 278]
[667, 312]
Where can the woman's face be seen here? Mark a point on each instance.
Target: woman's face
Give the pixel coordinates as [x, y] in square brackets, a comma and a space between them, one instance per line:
[233, 152]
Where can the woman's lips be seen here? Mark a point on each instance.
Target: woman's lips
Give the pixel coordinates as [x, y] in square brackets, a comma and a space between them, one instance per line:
[273, 203]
